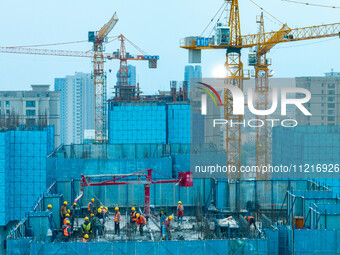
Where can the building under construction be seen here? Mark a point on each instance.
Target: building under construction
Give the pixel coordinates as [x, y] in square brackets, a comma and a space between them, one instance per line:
[145, 167]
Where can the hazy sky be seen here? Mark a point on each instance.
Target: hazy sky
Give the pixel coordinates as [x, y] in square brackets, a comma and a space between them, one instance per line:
[156, 27]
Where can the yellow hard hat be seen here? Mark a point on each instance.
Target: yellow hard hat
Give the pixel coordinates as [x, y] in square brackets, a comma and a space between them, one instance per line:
[137, 215]
[117, 209]
[133, 209]
[49, 206]
[106, 208]
[171, 217]
[245, 217]
[74, 203]
[92, 199]
[86, 218]
[99, 210]
[67, 215]
[86, 236]
[179, 202]
[68, 211]
[68, 222]
[101, 207]
[92, 215]
[65, 202]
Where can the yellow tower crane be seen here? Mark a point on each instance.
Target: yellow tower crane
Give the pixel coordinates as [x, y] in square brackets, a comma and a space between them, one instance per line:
[228, 36]
[99, 77]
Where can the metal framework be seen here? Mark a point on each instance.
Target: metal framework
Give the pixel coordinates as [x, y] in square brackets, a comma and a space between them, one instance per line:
[235, 74]
[99, 79]
[261, 89]
[124, 91]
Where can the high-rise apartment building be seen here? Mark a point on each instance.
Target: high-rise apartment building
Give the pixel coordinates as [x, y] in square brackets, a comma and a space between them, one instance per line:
[191, 72]
[77, 106]
[36, 107]
[324, 104]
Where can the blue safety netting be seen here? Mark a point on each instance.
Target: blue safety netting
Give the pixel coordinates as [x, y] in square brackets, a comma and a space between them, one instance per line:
[217, 247]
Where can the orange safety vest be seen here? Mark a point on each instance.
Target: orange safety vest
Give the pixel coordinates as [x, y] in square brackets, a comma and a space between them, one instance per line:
[89, 206]
[167, 221]
[180, 208]
[141, 220]
[133, 216]
[66, 231]
[104, 211]
[64, 222]
[118, 217]
[249, 218]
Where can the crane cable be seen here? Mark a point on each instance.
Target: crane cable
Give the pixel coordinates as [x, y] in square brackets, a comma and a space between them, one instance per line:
[53, 44]
[317, 5]
[136, 47]
[213, 18]
[266, 12]
[218, 19]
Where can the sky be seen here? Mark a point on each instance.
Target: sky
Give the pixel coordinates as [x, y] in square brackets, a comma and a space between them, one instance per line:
[156, 27]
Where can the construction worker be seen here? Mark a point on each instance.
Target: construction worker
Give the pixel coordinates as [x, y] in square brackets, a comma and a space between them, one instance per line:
[86, 227]
[106, 212]
[250, 220]
[162, 217]
[86, 238]
[49, 207]
[133, 215]
[133, 219]
[166, 228]
[67, 217]
[180, 210]
[100, 216]
[63, 212]
[118, 219]
[90, 207]
[94, 224]
[140, 222]
[67, 231]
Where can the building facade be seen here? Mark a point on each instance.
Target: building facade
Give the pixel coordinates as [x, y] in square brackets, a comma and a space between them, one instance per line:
[36, 107]
[324, 104]
[192, 72]
[77, 106]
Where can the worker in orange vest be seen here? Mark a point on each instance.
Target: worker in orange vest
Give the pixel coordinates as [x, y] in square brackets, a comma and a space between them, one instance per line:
[86, 238]
[133, 219]
[180, 210]
[90, 207]
[118, 219]
[67, 217]
[251, 220]
[67, 231]
[140, 222]
[166, 228]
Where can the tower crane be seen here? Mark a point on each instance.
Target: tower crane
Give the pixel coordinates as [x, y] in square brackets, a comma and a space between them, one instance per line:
[228, 36]
[99, 77]
[124, 91]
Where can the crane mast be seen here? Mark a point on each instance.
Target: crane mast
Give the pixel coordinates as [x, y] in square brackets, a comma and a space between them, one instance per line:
[99, 77]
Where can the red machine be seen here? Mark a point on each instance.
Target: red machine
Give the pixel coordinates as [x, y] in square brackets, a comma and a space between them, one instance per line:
[184, 180]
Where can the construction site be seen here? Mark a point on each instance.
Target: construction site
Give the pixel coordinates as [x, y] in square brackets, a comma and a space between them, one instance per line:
[133, 188]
